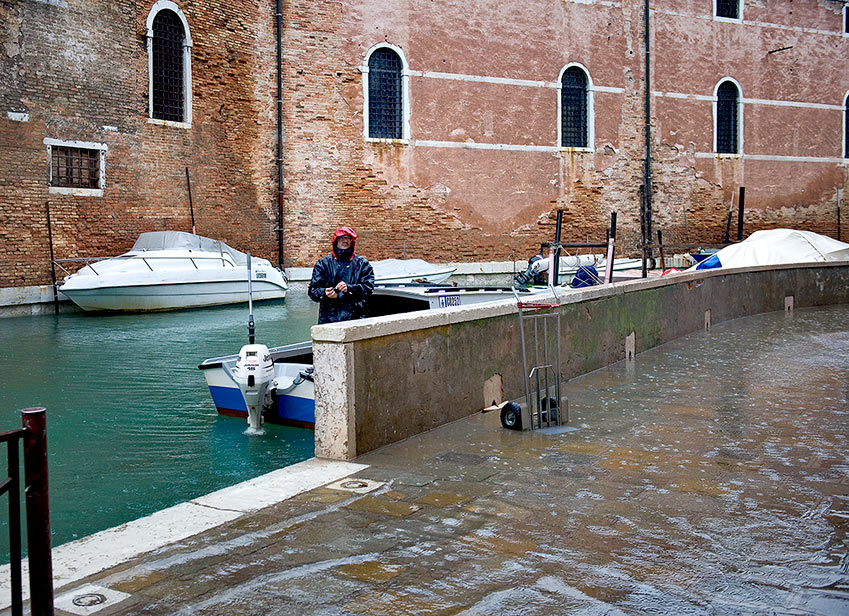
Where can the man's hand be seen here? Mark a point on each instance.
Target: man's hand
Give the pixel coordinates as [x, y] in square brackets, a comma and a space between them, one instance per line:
[342, 287]
[331, 293]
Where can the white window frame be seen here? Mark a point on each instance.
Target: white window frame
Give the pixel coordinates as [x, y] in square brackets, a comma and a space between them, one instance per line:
[715, 100]
[843, 24]
[71, 190]
[162, 5]
[739, 18]
[845, 127]
[590, 147]
[405, 96]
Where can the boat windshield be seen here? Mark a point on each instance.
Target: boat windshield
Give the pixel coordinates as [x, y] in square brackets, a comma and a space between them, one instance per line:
[180, 240]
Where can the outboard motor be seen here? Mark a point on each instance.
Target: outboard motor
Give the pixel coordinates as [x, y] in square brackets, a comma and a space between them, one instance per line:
[253, 373]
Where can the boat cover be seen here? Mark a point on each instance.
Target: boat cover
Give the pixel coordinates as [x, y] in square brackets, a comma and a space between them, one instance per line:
[180, 240]
[776, 247]
[404, 268]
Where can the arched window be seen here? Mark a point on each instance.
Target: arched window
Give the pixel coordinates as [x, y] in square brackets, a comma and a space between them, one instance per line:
[727, 118]
[169, 63]
[574, 109]
[385, 95]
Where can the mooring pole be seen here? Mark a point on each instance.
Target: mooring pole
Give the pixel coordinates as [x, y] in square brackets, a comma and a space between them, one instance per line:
[556, 254]
[191, 207]
[728, 222]
[660, 249]
[53, 262]
[740, 203]
[611, 248]
[34, 421]
[839, 193]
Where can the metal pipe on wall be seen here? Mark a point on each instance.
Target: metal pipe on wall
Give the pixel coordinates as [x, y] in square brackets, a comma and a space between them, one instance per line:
[647, 172]
[279, 134]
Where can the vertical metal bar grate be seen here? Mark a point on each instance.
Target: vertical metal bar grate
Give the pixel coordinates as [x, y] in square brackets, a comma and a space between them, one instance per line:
[573, 109]
[727, 121]
[168, 38]
[728, 8]
[74, 167]
[385, 104]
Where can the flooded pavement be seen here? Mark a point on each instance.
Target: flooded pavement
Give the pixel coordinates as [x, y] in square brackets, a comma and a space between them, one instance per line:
[710, 476]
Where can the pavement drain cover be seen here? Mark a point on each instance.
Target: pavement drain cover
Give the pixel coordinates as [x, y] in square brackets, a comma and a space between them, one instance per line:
[556, 430]
[357, 486]
[89, 599]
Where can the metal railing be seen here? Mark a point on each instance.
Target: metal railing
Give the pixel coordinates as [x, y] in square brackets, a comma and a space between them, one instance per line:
[34, 438]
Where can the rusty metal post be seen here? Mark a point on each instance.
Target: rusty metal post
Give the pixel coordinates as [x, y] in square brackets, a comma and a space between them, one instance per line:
[740, 205]
[34, 421]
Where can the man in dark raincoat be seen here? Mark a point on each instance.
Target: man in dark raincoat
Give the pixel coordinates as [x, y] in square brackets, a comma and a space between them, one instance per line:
[342, 281]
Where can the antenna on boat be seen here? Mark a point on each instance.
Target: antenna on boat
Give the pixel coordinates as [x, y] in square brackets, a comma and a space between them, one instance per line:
[250, 305]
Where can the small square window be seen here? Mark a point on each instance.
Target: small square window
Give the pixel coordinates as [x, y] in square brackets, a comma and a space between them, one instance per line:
[74, 167]
[729, 9]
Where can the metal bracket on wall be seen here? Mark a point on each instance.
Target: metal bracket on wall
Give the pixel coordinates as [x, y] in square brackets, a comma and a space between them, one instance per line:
[789, 302]
[631, 347]
[707, 320]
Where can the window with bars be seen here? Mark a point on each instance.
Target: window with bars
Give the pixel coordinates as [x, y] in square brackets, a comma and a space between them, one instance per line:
[573, 109]
[385, 95]
[167, 66]
[74, 167]
[728, 8]
[727, 118]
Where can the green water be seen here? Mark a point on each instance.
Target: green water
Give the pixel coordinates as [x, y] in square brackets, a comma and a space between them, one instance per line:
[131, 428]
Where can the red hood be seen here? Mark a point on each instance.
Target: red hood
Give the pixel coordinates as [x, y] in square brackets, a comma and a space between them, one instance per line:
[344, 231]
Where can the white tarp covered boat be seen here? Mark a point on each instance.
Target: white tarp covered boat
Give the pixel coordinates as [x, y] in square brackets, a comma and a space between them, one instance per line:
[166, 270]
[777, 247]
[409, 271]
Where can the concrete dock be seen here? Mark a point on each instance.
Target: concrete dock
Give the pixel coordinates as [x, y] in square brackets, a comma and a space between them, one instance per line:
[709, 476]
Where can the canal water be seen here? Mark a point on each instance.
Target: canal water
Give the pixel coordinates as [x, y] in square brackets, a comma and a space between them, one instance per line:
[131, 428]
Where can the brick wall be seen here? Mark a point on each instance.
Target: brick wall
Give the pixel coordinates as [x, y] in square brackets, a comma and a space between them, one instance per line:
[482, 76]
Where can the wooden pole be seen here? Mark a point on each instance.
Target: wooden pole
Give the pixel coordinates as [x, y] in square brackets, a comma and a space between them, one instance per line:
[38, 511]
[191, 206]
[660, 249]
[839, 193]
[52, 260]
[740, 205]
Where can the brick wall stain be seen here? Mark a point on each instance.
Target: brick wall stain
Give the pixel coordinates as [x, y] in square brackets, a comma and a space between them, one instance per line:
[81, 73]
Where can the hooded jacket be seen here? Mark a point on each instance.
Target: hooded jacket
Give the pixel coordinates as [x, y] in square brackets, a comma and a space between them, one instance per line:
[330, 270]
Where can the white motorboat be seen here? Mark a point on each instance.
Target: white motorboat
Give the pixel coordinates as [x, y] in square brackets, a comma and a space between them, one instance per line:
[410, 271]
[777, 247]
[167, 270]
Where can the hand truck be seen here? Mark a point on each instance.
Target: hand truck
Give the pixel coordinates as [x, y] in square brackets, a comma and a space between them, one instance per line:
[539, 334]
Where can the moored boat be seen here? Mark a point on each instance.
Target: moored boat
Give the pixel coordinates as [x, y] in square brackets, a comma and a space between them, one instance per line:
[167, 270]
[290, 396]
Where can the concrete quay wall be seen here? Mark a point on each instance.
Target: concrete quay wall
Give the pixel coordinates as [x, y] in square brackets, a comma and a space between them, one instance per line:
[385, 379]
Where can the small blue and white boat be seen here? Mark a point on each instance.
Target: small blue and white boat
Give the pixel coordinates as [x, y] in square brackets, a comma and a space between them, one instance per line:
[289, 397]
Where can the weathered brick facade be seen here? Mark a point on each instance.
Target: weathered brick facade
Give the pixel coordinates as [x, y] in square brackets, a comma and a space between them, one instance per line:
[481, 176]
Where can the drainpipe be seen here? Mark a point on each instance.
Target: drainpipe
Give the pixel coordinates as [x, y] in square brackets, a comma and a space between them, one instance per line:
[279, 135]
[647, 168]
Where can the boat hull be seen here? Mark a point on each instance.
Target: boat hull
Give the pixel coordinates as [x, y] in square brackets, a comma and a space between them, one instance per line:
[171, 296]
[294, 408]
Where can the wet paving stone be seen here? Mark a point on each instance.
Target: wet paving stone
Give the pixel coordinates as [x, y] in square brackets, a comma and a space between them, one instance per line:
[710, 477]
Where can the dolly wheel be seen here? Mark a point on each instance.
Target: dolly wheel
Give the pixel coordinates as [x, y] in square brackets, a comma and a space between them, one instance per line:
[511, 416]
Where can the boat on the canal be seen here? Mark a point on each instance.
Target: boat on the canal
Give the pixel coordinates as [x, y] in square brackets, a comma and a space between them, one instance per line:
[777, 247]
[289, 396]
[168, 270]
[410, 271]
